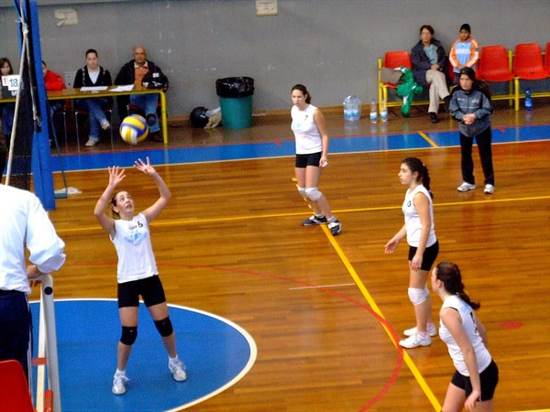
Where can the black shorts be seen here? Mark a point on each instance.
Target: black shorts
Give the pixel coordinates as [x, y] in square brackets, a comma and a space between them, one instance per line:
[150, 289]
[488, 381]
[430, 254]
[312, 159]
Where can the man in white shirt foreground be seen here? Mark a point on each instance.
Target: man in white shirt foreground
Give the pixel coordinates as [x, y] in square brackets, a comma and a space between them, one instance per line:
[23, 223]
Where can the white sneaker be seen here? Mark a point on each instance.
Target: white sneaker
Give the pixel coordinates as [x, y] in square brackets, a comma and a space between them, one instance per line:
[335, 227]
[432, 330]
[92, 141]
[415, 341]
[465, 187]
[119, 384]
[177, 369]
[105, 124]
[489, 189]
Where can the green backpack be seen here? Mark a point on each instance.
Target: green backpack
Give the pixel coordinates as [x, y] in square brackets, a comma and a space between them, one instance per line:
[406, 89]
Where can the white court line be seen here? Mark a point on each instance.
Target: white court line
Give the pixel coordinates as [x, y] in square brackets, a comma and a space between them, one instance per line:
[337, 285]
[250, 340]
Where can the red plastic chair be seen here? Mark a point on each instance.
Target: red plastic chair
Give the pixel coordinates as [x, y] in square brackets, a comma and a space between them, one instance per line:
[494, 64]
[528, 64]
[397, 58]
[391, 60]
[494, 67]
[547, 58]
[14, 391]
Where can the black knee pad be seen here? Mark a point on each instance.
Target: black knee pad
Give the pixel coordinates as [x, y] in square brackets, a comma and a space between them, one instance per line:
[129, 335]
[164, 327]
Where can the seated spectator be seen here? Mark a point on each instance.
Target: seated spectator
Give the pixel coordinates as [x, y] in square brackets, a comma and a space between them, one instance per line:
[52, 80]
[6, 109]
[144, 74]
[428, 61]
[464, 52]
[92, 74]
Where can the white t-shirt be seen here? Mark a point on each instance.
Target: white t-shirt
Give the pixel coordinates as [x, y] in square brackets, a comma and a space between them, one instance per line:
[94, 74]
[306, 132]
[132, 242]
[24, 222]
[467, 316]
[412, 219]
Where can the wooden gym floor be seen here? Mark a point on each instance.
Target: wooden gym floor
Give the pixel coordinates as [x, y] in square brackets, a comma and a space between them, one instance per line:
[230, 243]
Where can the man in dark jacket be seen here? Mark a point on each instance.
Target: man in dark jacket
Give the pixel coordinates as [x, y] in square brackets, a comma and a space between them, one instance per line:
[429, 64]
[144, 74]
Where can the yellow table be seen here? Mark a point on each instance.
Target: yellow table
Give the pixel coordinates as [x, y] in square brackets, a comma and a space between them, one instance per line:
[75, 94]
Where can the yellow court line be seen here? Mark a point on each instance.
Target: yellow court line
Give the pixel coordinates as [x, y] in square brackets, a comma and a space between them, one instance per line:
[427, 138]
[410, 363]
[536, 410]
[195, 220]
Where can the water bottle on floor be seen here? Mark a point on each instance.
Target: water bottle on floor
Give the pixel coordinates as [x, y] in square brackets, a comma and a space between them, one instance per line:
[352, 108]
[373, 111]
[384, 113]
[528, 100]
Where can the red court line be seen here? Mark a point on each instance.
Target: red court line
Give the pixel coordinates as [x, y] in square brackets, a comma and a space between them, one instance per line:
[334, 294]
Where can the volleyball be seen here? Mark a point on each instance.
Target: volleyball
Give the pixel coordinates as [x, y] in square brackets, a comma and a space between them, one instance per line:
[133, 129]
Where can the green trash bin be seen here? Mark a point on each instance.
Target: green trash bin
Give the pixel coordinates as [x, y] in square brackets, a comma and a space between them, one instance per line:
[236, 101]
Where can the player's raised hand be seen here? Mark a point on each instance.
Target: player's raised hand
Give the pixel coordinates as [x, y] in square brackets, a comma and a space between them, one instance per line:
[116, 175]
[145, 167]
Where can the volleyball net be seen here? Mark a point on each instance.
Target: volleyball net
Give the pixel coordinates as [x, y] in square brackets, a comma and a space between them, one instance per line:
[28, 165]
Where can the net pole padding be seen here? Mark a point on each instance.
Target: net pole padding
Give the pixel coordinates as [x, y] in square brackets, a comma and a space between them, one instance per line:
[41, 157]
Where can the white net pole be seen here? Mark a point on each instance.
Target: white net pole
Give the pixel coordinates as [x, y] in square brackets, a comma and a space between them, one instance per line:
[41, 367]
[47, 312]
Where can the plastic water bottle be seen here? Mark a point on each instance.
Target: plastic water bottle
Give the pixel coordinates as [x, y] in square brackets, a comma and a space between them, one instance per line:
[373, 111]
[384, 113]
[352, 108]
[528, 100]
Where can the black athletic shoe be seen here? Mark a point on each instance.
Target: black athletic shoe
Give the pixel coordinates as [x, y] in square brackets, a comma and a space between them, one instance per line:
[335, 227]
[314, 220]
[434, 118]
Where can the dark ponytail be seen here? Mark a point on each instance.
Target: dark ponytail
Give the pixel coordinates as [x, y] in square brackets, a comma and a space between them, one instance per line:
[449, 274]
[416, 165]
[304, 91]
[113, 205]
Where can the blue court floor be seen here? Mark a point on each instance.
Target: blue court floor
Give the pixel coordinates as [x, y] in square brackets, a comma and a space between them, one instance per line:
[216, 352]
[344, 144]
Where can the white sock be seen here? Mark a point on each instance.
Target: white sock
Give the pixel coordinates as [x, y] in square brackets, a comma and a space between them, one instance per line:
[119, 372]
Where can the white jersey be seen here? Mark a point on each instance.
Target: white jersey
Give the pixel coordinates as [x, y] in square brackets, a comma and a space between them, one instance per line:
[306, 132]
[24, 222]
[132, 242]
[412, 219]
[467, 316]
